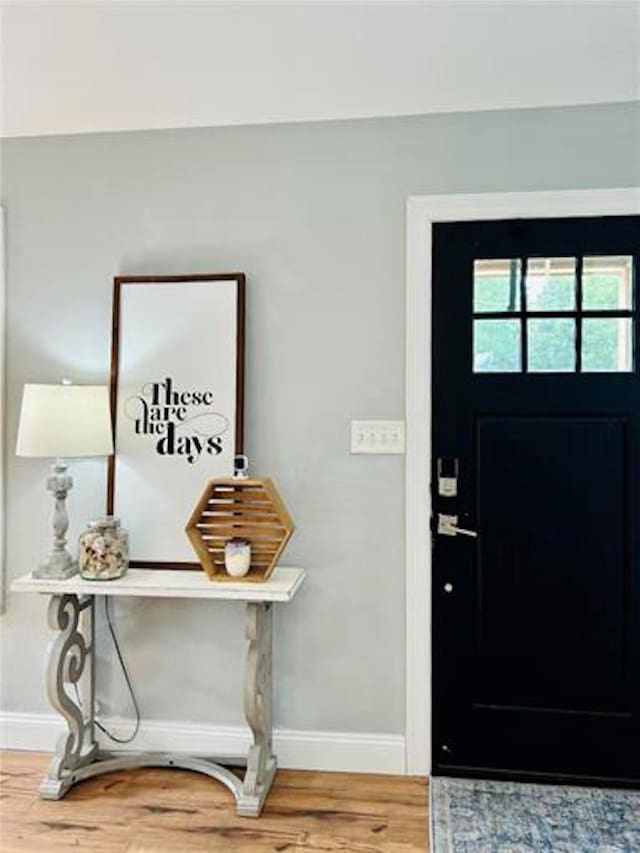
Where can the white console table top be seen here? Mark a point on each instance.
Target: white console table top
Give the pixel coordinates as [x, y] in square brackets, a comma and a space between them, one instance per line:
[170, 583]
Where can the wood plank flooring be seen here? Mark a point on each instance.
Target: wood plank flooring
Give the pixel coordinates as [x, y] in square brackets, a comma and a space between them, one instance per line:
[157, 811]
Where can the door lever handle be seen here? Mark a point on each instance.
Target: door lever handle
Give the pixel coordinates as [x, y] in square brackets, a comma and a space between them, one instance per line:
[448, 526]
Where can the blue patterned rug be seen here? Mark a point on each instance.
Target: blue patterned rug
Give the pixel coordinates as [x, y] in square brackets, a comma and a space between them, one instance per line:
[477, 816]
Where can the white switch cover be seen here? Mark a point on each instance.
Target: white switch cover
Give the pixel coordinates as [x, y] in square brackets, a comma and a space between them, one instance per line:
[377, 437]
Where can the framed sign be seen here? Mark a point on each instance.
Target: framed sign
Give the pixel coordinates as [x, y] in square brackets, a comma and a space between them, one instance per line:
[177, 378]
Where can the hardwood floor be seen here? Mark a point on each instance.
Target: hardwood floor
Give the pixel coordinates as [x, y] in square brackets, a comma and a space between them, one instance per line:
[157, 811]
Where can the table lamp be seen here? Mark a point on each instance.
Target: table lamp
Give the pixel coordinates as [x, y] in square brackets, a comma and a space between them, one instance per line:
[62, 421]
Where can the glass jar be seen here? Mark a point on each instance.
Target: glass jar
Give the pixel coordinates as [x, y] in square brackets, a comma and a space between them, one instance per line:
[103, 552]
[237, 557]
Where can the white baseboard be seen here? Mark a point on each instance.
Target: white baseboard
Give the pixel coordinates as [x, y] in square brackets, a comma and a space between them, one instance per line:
[300, 750]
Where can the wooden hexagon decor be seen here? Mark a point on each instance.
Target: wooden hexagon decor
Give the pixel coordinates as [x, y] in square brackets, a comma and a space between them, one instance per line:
[245, 509]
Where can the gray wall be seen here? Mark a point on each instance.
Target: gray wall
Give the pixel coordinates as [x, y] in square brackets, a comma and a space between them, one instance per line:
[314, 214]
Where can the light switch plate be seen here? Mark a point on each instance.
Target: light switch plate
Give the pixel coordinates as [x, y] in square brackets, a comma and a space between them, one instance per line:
[377, 437]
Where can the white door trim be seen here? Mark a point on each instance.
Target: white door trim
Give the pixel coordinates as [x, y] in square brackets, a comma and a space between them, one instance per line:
[422, 212]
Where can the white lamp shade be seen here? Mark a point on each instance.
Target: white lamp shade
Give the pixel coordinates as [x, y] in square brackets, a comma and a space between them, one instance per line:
[65, 421]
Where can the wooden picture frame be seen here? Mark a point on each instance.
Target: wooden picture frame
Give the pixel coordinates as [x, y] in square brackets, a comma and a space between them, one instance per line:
[177, 404]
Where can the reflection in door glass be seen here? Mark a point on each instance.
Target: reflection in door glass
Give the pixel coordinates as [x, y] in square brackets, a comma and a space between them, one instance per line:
[496, 346]
[496, 285]
[551, 284]
[607, 344]
[551, 345]
[607, 283]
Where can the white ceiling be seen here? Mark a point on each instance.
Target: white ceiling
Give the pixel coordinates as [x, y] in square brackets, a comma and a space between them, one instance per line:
[91, 66]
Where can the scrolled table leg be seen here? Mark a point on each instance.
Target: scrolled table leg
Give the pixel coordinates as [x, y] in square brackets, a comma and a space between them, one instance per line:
[261, 763]
[68, 655]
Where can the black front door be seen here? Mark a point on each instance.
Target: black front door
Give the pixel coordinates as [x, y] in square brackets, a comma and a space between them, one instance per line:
[536, 448]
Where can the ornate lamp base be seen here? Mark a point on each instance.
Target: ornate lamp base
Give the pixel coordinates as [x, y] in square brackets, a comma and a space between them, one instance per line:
[56, 572]
[60, 564]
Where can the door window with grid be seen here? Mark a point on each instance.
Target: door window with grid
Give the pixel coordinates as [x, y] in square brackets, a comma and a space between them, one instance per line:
[554, 315]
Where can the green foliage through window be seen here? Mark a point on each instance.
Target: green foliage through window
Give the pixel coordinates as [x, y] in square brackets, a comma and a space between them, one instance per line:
[551, 285]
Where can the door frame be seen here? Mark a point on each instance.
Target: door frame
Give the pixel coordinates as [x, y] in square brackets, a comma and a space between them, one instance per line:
[422, 212]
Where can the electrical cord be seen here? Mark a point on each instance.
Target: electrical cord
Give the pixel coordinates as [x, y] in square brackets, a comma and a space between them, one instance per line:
[125, 672]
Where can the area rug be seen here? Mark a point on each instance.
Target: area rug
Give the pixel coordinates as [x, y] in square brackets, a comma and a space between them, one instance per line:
[477, 816]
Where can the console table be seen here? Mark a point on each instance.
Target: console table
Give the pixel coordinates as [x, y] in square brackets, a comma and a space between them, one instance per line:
[70, 662]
